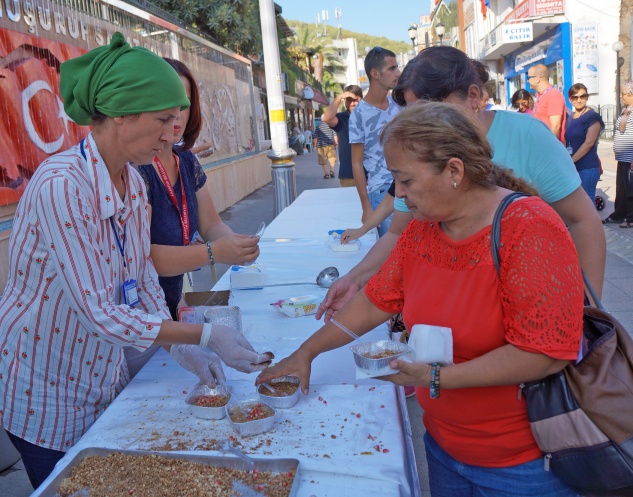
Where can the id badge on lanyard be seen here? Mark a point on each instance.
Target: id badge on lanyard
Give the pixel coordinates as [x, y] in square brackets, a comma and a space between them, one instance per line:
[129, 288]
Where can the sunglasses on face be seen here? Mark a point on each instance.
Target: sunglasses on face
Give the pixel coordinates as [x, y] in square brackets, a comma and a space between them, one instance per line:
[584, 96]
[530, 77]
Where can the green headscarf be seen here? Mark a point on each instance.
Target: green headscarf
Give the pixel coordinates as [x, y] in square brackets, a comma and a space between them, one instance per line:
[119, 80]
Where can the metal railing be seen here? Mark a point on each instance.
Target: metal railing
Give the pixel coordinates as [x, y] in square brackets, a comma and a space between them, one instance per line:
[305, 77]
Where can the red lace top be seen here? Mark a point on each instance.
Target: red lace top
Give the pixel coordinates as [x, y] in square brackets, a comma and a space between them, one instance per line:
[536, 305]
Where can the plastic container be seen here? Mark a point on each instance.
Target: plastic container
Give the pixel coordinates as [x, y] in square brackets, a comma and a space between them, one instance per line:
[373, 366]
[227, 315]
[295, 307]
[281, 402]
[208, 412]
[248, 428]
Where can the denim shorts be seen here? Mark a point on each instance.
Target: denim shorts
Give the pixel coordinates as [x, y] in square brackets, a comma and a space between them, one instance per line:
[375, 198]
[450, 478]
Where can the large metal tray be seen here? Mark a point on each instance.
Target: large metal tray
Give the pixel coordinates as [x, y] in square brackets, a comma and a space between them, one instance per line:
[273, 465]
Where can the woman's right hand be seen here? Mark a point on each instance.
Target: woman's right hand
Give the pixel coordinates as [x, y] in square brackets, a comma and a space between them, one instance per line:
[235, 350]
[341, 292]
[351, 234]
[297, 364]
[236, 249]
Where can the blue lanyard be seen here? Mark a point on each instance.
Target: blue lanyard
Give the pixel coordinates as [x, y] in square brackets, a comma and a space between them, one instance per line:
[116, 234]
[118, 242]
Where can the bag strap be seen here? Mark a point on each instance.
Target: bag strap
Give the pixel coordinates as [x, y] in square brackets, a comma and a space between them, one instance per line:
[495, 235]
[495, 243]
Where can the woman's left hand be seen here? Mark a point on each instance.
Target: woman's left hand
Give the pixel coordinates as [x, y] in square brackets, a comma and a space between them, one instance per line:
[411, 374]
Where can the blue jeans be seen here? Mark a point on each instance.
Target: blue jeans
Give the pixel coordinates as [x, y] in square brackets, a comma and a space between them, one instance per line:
[375, 198]
[38, 461]
[589, 179]
[450, 478]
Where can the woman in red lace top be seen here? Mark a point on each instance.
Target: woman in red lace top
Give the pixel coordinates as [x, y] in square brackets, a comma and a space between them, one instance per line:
[519, 326]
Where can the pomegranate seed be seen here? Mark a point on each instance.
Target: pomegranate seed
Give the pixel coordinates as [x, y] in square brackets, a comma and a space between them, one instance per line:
[385, 451]
[358, 415]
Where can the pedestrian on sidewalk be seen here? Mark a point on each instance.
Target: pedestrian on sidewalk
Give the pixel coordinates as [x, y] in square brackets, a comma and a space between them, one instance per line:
[623, 149]
[582, 131]
[365, 125]
[325, 141]
[339, 122]
[550, 103]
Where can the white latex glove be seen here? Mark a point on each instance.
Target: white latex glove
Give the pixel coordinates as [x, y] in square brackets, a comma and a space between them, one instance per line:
[233, 348]
[201, 362]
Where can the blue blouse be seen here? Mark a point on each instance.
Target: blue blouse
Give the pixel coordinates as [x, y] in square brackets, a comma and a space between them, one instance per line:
[166, 228]
[575, 135]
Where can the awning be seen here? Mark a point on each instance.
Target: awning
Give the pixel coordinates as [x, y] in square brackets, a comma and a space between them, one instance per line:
[319, 97]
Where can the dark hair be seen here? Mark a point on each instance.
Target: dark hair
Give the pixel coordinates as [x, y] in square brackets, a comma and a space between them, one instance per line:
[375, 59]
[521, 94]
[437, 132]
[576, 88]
[194, 125]
[355, 89]
[437, 72]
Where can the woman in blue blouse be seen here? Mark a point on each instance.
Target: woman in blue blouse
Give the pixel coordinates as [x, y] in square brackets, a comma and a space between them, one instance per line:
[176, 174]
[581, 132]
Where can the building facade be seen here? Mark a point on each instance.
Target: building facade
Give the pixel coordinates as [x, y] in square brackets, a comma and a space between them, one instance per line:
[573, 38]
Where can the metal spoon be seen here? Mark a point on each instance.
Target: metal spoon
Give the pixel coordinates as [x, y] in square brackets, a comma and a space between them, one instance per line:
[227, 446]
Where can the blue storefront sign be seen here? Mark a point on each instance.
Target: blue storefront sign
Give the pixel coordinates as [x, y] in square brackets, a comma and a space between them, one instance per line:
[554, 49]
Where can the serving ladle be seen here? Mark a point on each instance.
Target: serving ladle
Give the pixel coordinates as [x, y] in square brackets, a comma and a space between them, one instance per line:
[324, 279]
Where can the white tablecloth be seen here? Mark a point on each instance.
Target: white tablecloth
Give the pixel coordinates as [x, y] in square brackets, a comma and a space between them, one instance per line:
[349, 436]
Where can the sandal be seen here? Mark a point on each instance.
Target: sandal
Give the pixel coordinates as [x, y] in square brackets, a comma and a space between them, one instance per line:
[327, 176]
[331, 174]
[626, 224]
[610, 220]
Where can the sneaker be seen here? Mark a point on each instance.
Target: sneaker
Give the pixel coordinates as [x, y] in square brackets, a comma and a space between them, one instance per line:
[409, 391]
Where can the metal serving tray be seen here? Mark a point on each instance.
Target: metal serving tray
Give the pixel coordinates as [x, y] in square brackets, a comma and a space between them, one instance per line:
[272, 465]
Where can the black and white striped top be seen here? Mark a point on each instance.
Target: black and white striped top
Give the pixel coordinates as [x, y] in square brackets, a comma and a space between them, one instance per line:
[623, 142]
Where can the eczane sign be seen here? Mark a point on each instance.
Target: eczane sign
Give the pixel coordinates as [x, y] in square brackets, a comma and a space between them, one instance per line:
[517, 32]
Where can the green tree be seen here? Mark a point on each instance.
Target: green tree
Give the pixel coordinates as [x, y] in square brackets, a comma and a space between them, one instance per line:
[234, 24]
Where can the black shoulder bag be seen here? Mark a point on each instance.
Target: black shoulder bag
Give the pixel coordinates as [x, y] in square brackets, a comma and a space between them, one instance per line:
[582, 417]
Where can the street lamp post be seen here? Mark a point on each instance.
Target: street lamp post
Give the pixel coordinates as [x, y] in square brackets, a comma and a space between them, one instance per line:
[617, 48]
[440, 30]
[281, 155]
[413, 34]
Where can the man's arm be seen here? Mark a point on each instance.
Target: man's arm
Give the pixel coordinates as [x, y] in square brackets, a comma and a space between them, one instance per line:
[358, 154]
[329, 116]
[555, 124]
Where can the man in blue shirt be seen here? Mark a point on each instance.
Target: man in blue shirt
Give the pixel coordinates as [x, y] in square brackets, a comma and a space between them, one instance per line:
[339, 122]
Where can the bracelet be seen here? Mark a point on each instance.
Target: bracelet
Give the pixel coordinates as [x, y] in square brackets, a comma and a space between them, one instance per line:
[435, 381]
[210, 253]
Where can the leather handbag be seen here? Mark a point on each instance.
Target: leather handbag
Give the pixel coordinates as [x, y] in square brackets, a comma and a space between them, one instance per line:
[582, 417]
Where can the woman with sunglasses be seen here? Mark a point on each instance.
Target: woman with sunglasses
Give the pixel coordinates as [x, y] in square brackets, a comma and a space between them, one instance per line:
[523, 101]
[581, 132]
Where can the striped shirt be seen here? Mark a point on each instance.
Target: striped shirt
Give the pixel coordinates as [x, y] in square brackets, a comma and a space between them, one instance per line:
[324, 135]
[62, 322]
[623, 142]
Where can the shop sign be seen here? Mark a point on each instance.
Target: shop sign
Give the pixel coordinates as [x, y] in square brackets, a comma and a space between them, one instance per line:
[527, 59]
[517, 32]
[585, 54]
[521, 11]
[546, 7]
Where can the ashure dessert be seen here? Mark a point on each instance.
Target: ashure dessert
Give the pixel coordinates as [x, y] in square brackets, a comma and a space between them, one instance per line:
[282, 389]
[244, 414]
[210, 401]
[125, 475]
[380, 355]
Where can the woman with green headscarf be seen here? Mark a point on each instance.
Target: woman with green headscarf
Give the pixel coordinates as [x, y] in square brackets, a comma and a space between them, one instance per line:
[81, 285]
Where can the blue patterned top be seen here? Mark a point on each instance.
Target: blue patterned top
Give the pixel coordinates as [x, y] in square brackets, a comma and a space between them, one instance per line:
[165, 227]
